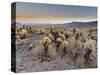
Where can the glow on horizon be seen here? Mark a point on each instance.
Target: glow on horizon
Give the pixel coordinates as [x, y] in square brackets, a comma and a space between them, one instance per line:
[50, 13]
[53, 19]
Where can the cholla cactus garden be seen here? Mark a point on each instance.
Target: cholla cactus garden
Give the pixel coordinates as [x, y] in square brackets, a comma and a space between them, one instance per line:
[49, 37]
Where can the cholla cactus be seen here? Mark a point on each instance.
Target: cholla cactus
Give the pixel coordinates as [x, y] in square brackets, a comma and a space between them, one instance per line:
[38, 51]
[83, 35]
[65, 43]
[64, 48]
[77, 36]
[18, 40]
[78, 44]
[18, 28]
[70, 34]
[51, 36]
[71, 45]
[89, 46]
[51, 53]
[17, 37]
[82, 32]
[58, 42]
[23, 33]
[43, 31]
[45, 41]
[62, 36]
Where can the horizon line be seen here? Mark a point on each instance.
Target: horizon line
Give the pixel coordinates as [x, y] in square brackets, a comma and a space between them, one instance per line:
[54, 23]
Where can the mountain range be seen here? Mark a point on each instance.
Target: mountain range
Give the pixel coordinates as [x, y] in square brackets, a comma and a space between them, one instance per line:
[71, 24]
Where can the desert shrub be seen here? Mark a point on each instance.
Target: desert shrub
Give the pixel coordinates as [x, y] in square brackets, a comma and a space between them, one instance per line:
[80, 62]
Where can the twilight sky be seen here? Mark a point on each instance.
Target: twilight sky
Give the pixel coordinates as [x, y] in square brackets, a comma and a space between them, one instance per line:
[50, 13]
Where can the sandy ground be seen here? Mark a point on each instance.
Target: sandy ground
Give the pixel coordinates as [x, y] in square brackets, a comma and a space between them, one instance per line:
[25, 62]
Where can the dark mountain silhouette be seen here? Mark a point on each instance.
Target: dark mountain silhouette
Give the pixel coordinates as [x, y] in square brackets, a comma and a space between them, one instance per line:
[81, 24]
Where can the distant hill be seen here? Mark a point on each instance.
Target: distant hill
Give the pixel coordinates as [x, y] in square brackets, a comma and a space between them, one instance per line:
[81, 24]
[71, 24]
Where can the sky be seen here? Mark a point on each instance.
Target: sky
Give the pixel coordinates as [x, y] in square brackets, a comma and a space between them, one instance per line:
[53, 13]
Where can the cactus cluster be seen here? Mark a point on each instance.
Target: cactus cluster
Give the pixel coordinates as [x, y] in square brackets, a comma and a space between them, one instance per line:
[78, 43]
